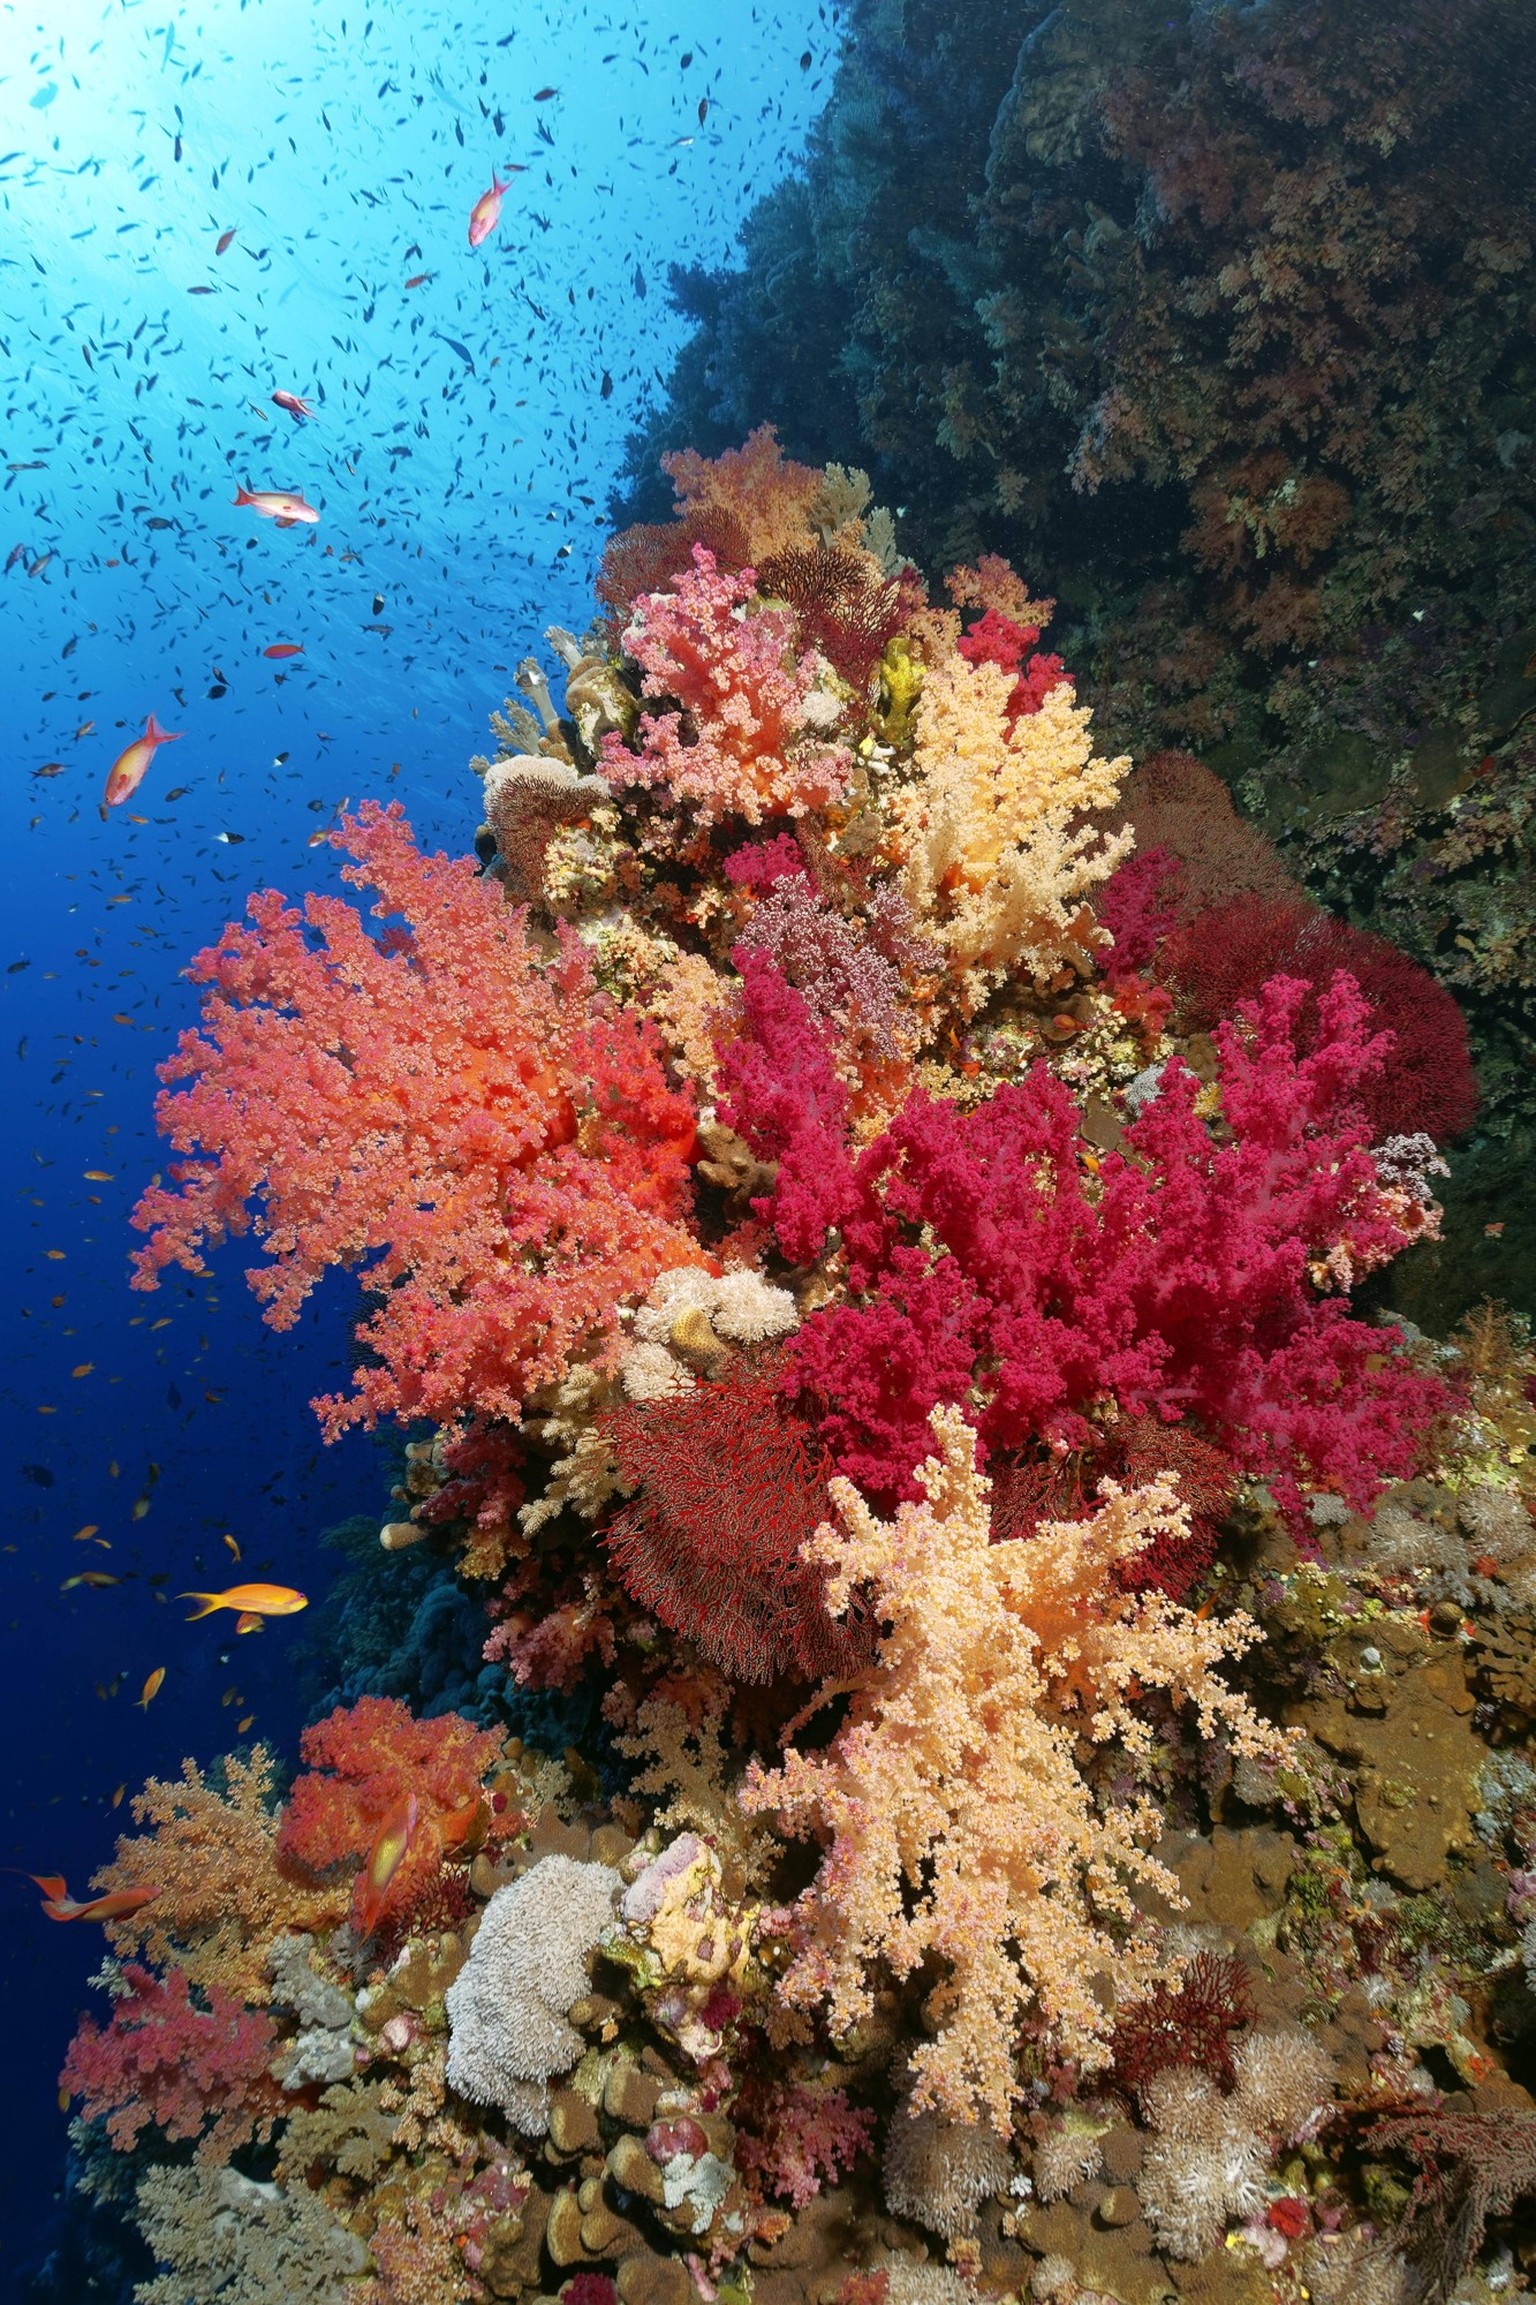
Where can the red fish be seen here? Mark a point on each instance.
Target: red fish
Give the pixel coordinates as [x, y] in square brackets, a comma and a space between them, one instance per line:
[284, 648]
[285, 506]
[225, 240]
[298, 409]
[388, 1854]
[59, 1905]
[127, 771]
[486, 213]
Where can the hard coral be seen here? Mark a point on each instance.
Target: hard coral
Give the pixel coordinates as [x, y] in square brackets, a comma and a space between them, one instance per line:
[433, 1105]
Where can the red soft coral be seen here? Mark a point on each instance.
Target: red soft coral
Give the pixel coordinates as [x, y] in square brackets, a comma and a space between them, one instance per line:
[996, 639]
[794, 2137]
[195, 2073]
[361, 1762]
[1191, 1280]
[1224, 954]
[731, 1484]
[501, 1156]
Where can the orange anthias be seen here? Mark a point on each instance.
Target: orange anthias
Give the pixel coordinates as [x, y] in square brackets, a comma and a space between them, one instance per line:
[391, 1847]
[59, 1905]
[249, 1600]
[127, 771]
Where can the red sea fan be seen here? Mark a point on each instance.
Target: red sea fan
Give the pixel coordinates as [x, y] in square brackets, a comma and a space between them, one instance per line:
[1138, 1450]
[841, 606]
[438, 1105]
[1190, 2026]
[1223, 955]
[195, 2073]
[731, 1483]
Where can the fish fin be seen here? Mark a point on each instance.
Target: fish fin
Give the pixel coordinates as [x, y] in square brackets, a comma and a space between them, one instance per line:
[53, 1885]
[161, 735]
[210, 1601]
[285, 524]
[243, 496]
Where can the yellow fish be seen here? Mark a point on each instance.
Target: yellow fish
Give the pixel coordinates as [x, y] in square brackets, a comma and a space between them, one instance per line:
[250, 1601]
[152, 1688]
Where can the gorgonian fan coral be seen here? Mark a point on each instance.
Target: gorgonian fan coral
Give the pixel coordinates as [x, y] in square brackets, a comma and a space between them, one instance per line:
[859, 1303]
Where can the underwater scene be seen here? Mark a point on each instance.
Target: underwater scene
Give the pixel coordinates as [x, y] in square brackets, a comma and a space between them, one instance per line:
[770, 941]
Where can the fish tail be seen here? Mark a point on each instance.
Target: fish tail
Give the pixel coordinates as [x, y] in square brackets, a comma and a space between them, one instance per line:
[210, 1601]
[162, 735]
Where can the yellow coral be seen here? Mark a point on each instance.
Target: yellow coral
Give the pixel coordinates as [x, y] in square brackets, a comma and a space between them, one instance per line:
[957, 1820]
[986, 832]
[222, 1897]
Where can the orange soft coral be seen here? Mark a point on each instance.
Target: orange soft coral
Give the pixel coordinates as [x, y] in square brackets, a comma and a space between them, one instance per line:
[500, 1152]
[755, 487]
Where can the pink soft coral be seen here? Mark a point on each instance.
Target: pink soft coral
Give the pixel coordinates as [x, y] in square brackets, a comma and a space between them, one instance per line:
[747, 747]
[785, 1096]
[196, 2073]
[504, 1158]
[1191, 1279]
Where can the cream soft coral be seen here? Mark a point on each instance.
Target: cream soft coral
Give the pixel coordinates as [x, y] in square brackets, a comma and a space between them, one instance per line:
[957, 1821]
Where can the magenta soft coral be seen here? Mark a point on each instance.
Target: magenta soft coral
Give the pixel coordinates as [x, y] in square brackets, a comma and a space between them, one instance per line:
[195, 2073]
[1192, 1278]
[784, 1095]
[501, 1154]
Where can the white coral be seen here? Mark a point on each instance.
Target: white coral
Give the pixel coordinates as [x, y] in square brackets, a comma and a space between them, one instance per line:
[508, 2008]
[1207, 2157]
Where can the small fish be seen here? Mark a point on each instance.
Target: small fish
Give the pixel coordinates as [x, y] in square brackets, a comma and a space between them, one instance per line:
[486, 213]
[298, 409]
[420, 279]
[234, 1548]
[284, 648]
[152, 1688]
[255, 1600]
[286, 506]
[249, 1622]
[226, 240]
[241, 1726]
[59, 1905]
[544, 95]
[97, 1579]
[387, 1855]
[127, 771]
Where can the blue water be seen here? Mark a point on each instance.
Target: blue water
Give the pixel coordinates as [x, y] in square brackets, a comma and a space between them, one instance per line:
[466, 432]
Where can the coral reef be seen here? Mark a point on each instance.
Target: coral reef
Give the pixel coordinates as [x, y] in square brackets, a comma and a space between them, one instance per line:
[937, 1710]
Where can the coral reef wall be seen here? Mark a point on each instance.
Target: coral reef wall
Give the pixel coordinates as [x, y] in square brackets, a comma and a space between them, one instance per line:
[1223, 316]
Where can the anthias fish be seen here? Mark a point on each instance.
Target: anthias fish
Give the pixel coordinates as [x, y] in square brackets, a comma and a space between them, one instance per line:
[286, 506]
[298, 409]
[388, 1854]
[127, 771]
[59, 1905]
[486, 213]
[249, 1600]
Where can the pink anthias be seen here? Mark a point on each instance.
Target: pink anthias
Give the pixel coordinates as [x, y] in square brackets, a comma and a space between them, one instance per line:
[486, 213]
[128, 770]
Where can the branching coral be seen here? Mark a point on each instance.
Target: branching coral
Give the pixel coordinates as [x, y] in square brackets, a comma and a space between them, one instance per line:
[194, 2073]
[434, 1106]
[1191, 1279]
[754, 744]
[223, 1893]
[958, 1826]
[995, 854]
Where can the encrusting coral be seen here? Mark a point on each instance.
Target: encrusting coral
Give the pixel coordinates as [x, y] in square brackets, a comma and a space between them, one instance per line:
[887, 1398]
